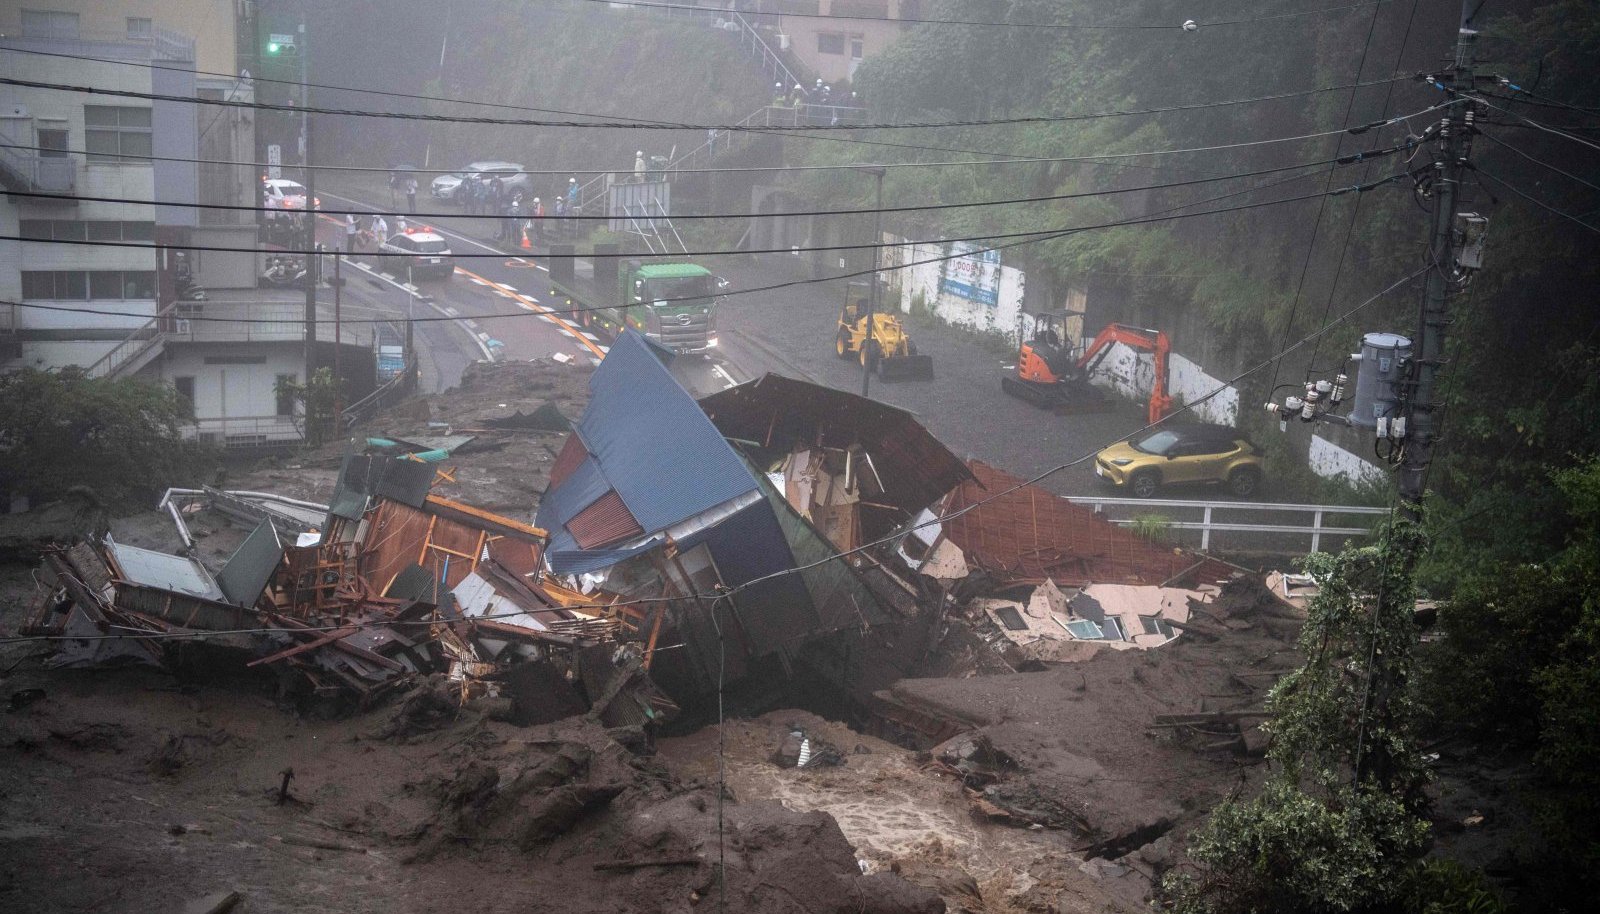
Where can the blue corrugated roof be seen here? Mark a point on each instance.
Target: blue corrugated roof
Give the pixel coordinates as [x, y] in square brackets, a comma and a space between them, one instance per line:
[578, 491]
[652, 442]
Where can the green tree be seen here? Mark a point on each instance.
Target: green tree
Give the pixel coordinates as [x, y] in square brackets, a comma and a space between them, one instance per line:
[315, 401]
[1339, 824]
[120, 438]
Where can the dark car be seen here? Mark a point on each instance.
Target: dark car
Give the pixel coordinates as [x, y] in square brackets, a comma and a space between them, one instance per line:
[418, 253]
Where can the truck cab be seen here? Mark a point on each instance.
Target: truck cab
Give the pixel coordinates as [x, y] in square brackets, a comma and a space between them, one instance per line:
[678, 303]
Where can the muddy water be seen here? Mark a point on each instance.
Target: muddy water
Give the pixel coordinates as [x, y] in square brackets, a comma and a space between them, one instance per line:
[895, 813]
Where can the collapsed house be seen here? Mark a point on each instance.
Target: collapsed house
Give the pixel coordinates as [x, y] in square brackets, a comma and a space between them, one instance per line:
[394, 583]
[677, 510]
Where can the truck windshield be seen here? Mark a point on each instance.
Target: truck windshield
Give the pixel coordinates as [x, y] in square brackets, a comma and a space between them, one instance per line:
[677, 288]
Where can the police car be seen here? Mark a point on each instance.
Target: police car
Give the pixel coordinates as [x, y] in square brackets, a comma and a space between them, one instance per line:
[418, 249]
[283, 194]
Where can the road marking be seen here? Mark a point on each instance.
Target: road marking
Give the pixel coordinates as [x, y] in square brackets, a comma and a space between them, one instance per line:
[508, 287]
[476, 280]
[590, 337]
[389, 276]
[543, 312]
[447, 312]
[722, 373]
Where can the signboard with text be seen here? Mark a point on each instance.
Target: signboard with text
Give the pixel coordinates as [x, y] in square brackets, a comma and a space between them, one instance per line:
[974, 276]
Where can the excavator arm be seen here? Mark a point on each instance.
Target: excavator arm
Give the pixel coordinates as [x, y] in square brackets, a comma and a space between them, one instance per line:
[1138, 338]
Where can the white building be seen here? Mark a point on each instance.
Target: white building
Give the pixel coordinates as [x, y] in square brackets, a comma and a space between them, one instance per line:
[113, 310]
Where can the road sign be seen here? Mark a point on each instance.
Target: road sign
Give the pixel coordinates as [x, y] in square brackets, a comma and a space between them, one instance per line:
[274, 161]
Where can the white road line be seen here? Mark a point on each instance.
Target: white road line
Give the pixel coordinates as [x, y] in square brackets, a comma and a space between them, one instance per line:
[478, 281]
[590, 337]
[722, 373]
[390, 277]
[508, 288]
[482, 344]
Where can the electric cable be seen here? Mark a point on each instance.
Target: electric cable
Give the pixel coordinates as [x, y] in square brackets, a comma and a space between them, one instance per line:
[1540, 127]
[1565, 174]
[1032, 237]
[1180, 27]
[730, 592]
[529, 122]
[1355, 213]
[445, 216]
[1316, 223]
[1534, 200]
[624, 121]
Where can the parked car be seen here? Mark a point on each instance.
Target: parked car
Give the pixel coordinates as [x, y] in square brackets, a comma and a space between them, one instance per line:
[281, 193]
[446, 187]
[417, 252]
[1182, 454]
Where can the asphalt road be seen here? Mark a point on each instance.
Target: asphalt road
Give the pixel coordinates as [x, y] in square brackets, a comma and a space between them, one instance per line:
[790, 331]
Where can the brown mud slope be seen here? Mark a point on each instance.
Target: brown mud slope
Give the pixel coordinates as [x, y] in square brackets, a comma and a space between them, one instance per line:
[122, 792]
[501, 470]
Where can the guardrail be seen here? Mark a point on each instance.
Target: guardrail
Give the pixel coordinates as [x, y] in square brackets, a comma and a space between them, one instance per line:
[149, 335]
[1207, 523]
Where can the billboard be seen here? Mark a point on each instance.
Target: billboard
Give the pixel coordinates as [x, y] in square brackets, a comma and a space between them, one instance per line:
[974, 276]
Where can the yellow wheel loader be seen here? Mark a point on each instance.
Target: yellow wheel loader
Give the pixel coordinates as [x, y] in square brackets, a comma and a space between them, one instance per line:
[889, 350]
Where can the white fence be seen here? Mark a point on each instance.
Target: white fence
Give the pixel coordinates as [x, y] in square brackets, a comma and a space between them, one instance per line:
[1203, 517]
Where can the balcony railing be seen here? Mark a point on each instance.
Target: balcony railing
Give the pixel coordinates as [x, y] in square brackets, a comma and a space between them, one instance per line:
[157, 44]
[30, 171]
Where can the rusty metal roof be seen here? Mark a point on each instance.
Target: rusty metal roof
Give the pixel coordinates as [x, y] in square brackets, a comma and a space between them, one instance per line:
[779, 413]
[1030, 534]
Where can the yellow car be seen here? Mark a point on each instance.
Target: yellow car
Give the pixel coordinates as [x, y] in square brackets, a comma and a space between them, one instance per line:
[1182, 454]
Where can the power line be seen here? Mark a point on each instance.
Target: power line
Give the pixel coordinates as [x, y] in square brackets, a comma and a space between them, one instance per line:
[1536, 201]
[729, 592]
[625, 121]
[609, 125]
[1036, 237]
[1316, 223]
[1355, 188]
[442, 216]
[1538, 126]
[1565, 174]
[1179, 27]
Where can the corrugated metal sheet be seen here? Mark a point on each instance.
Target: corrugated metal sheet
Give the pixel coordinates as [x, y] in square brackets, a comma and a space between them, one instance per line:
[1030, 534]
[779, 413]
[562, 503]
[607, 520]
[571, 457]
[654, 444]
[250, 568]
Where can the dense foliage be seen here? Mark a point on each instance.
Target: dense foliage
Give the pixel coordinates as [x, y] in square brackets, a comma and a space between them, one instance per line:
[1340, 822]
[121, 439]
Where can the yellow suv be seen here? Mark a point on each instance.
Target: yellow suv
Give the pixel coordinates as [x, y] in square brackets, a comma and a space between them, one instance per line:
[1182, 454]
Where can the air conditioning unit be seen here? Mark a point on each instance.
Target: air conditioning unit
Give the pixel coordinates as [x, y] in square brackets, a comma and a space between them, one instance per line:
[783, 42]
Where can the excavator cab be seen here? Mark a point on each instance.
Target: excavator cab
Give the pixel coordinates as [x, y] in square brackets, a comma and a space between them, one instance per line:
[1046, 356]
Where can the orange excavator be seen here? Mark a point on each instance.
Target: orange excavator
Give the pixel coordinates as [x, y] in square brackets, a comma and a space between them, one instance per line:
[1048, 376]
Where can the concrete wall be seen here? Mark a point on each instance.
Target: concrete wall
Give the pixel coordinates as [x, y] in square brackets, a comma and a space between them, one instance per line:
[234, 391]
[929, 282]
[1331, 461]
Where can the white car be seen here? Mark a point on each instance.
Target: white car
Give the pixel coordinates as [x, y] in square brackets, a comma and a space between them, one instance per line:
[419, 253]
[445, 187]
[281, 193]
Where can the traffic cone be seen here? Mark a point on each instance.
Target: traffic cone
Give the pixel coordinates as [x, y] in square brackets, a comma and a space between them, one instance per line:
[526, 244]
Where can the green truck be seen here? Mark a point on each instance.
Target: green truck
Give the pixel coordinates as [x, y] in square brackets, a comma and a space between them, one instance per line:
[673, 303]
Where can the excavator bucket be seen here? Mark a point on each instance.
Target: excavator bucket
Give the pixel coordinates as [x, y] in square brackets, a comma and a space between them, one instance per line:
[906, 368]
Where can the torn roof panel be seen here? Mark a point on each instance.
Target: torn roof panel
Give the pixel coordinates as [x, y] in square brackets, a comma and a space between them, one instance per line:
[247, 572]
[161, 571]
[652, 441]
[607, 520]
[780, 413]
[1027, 534]
[571, 457]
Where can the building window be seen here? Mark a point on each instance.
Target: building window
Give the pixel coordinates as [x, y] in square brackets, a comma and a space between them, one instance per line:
[184, 385]
[116, 134]
[1155, 625]
[830, 43]
[96, 230]
[88, 285]
[858, 47]
[53, 142]
[139, 27]
[284, 388]
[49, 24]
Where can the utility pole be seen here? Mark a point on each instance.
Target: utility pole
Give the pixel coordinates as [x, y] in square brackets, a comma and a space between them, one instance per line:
[313, 263]
[868, 359]
[1422, 413]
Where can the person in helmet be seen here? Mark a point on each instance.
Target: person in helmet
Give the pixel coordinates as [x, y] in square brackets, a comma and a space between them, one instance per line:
[638, 167]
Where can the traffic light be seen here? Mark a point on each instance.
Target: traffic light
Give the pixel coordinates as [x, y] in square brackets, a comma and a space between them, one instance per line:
[281, 46]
